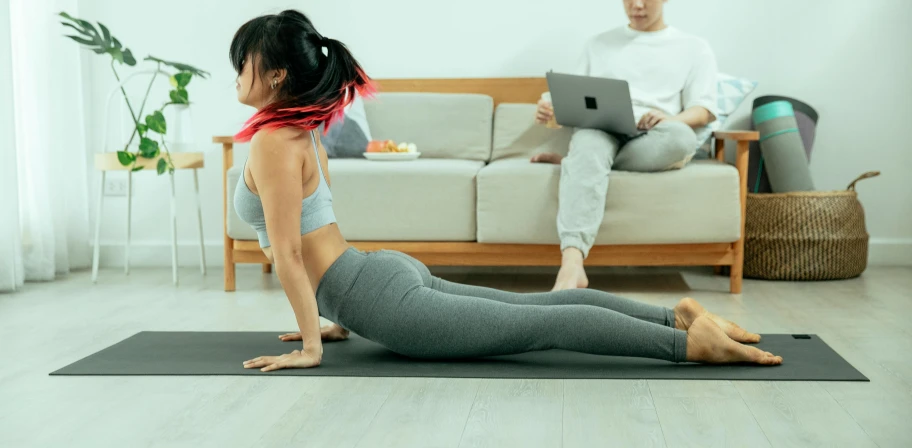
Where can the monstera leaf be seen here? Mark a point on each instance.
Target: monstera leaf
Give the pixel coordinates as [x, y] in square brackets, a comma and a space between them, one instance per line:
[100, 42]
[181, 67]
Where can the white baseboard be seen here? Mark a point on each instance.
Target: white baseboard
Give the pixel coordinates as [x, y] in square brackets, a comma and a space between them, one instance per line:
[158, 255]
[882, 252]
[890, 252]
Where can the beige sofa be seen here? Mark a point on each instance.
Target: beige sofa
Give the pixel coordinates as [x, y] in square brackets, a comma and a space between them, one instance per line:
[473, 198]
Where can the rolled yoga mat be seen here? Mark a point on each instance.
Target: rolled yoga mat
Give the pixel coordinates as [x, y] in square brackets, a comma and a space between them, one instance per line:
[806, 358]
[807, 118]
[783, 151]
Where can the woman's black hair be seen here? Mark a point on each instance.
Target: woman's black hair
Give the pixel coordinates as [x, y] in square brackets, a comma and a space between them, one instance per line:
[317, 86]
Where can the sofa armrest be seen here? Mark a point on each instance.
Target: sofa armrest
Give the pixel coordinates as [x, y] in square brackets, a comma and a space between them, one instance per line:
[737, 135]
[743, 139]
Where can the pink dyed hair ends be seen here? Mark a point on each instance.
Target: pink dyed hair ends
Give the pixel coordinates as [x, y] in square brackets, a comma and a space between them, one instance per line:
[307, 118]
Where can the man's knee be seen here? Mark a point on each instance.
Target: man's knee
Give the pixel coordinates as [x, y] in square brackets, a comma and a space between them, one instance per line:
[679, 143]
[592, 141]
[677, 135]
[591, 151]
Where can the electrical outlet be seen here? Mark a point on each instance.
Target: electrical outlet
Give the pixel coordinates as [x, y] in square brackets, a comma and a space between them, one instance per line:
[115, 187]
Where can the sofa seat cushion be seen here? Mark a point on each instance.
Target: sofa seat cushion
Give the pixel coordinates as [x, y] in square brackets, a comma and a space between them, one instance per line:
[421, 200]
[517, 203]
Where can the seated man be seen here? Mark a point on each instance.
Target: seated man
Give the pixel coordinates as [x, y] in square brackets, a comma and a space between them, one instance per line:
[672, 78]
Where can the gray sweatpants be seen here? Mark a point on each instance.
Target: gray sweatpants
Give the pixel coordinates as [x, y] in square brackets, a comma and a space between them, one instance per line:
[593, 154]
[392, 299]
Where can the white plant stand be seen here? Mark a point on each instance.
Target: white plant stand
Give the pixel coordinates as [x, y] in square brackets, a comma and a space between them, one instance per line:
[107, 161]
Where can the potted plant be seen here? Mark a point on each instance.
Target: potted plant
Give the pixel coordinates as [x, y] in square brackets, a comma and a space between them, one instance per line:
[152, 128]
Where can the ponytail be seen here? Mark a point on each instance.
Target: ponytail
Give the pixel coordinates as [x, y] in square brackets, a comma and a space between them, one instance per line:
[316, 90]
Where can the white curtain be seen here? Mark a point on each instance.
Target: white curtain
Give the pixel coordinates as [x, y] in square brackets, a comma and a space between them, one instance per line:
[50, 149]
[10, 260]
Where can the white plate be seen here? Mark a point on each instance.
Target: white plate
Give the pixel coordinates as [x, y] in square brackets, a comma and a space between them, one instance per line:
[391, 156]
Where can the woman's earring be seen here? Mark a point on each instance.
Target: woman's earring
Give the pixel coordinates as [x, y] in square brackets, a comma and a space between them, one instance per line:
[275, 82]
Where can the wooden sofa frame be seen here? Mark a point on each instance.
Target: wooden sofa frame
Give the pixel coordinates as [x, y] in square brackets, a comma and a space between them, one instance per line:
[519, 90]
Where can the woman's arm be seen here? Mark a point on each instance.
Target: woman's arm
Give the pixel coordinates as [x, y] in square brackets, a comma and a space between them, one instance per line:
[276, 172]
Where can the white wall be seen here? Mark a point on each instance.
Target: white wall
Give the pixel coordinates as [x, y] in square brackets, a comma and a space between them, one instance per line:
[851, 62]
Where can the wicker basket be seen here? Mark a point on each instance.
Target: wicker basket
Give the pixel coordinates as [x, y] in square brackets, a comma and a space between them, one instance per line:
[806, 235]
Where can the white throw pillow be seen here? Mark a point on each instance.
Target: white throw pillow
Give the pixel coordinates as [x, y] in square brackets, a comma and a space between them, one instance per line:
[730, 94]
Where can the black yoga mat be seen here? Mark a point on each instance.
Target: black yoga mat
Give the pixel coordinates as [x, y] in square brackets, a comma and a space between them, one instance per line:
[807, 358]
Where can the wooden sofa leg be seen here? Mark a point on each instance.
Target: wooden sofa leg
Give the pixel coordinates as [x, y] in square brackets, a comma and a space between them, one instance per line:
[737, 268]
[229, 265]
[267, 268]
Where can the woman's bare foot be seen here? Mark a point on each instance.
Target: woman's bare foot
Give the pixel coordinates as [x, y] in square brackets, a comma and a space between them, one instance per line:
[688, 310]
[708, 344]
[572, 274]
[547, 157]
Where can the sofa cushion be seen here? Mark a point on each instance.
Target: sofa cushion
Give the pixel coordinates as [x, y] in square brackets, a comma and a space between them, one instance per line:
[517, 135]
[453, 126]
[517, 203]
[421, 200]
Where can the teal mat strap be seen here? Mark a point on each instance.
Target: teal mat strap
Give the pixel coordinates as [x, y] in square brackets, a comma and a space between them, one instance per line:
[773, 110]
[784, 131]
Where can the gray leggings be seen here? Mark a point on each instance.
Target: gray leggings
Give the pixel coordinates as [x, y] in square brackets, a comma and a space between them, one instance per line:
[393, 300]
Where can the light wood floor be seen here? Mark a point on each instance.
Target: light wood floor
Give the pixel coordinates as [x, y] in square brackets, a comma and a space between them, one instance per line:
[51, 325]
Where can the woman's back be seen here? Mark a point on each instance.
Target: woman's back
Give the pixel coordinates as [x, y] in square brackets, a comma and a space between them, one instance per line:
[292, 169]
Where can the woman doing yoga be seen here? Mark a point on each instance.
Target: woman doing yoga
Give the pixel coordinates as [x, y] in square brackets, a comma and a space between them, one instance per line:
[297, 80]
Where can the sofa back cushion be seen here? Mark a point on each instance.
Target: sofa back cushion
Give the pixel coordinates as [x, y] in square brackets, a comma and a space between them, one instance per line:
[441, 125]
[517, 135]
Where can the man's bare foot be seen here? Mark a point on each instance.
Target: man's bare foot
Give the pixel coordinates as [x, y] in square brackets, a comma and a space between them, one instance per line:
[688, 310]
[547, 157]
[708, 344]
[571, 277]
[572, 274]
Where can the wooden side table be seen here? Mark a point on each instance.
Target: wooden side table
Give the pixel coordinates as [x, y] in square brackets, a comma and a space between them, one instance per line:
[107, 161]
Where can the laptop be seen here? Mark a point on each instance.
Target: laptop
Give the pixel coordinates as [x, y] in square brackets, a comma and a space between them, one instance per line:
[593, 103]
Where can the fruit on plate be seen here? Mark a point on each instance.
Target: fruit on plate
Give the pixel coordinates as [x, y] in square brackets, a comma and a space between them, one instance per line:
[390, 146]
[376, 146]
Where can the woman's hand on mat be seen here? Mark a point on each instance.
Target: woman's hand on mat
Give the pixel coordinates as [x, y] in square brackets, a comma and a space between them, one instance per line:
[295, 360]
[288, 337]
[650, 119]
[327, 333]
[333, 333]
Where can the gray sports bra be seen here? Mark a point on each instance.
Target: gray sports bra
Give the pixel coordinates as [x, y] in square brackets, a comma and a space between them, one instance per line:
[316, 209]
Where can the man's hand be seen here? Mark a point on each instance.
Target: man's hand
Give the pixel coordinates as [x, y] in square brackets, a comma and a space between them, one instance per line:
[650, 119]
[329, 333]
[545, 112]
[547, 157]
[295, 360]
